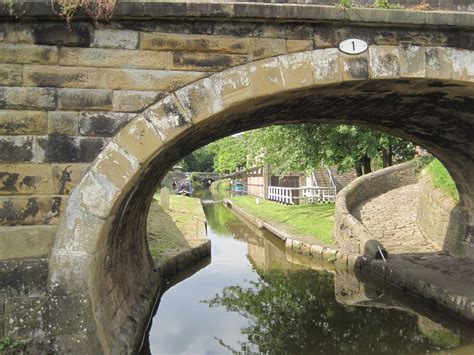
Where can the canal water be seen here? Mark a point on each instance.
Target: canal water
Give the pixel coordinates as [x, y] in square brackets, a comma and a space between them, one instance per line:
[253, 297]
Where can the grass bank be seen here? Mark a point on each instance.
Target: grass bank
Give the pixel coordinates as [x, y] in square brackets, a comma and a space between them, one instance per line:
[315, 220]
[170, 232]
[441, 179]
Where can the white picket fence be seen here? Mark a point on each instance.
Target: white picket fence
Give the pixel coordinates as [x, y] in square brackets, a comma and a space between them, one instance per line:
[307, 194]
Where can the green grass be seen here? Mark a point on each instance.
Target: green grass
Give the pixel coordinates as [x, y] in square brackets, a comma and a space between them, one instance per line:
[441, 179]
[316, 220]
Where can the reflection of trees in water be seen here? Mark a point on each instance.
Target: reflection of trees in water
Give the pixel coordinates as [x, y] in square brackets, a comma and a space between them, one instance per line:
[296, 312]
[219, 218]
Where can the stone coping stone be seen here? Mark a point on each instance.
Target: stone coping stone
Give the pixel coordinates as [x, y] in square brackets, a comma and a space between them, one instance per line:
[255, 11]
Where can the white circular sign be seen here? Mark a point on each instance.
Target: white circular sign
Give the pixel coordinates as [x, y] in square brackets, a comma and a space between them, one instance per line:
[353, 46]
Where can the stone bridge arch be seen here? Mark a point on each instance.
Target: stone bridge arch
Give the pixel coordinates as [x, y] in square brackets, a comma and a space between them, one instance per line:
[423, 94]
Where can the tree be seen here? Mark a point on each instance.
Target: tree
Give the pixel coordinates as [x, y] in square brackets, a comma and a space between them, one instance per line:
[200, 160]
[230, 153]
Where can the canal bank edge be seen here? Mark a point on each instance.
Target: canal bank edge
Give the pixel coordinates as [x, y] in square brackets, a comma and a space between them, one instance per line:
[402, 274]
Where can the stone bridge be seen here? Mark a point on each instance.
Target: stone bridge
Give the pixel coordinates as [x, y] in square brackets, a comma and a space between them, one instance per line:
[93, 116]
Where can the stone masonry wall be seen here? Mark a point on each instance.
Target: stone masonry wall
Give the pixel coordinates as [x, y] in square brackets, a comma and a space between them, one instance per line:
[349, 232]
[439, 218]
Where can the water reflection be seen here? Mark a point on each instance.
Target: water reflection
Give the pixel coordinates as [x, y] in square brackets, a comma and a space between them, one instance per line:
[256, 298]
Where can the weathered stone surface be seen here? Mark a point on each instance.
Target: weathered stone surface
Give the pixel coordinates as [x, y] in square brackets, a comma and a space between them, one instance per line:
[297, 70]
[206, 61]
[233, 85]
[16, 149]
[25, 317]
[63, 122]
[439, 63]
[23, 278]
[84, 99]
[13, 122]
[199, 43]
[199, 99]
[412, 61]
[463, 65]
[135, 79]
[59, 76]
[384, 62]
[28, 54]
[326, 66]
[266, 78]
[18, 32]
[140, 139]
[266, 47]
[24, 179]
[102, 124]
[75, 34]
[66, 149]
[11, 74]
[26, 242]
[133, 101]
[298, 45]
[167, 118]
[27, 98]
[118, 39]
[121, 58]
[65, 177]
[30, 210]
[355, 67]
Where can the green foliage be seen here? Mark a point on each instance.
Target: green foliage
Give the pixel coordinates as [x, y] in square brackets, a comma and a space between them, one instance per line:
[98, 9]
[443, 339]
[200, 160]
[195, 183]
[346, 4]
[422, 161]
[385, 4]
[305, 147]
[441, 179]
[8, 343]
[221, 185]
[315, 219]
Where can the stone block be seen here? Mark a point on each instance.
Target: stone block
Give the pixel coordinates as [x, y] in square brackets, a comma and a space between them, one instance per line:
[65, 177]
[84, 99]
[199, 100]
[298, 45]
[355, 67]
[120, 58]
[27, 98]
[194, 43]
[16, 122]
[233, 85]
[439, 63]
[326, 66]
[25, 179]
[17, 210]
[384, 62]
[66, 149]
[140, 139]
[151, 80]
[97, 195]
[69, 315]
[266, 47]
[118, 39]
[11, 74]
[266, 78]
[412, 61]
[103, 124]
[74, 34]
[198, 61]
[60, 76]
[463, 65]
[26, 242]
[63, 122]
[18, 32]
[117, 165]
[133, 101]
[25, 317]
[167, 118]
[297, 70]
[16, 149]
[28, 54]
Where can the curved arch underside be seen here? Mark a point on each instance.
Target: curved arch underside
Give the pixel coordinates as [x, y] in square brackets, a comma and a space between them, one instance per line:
[101, 249]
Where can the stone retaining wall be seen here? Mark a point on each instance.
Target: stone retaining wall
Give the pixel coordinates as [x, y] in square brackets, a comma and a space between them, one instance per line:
[350, 233]
[439, 218]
